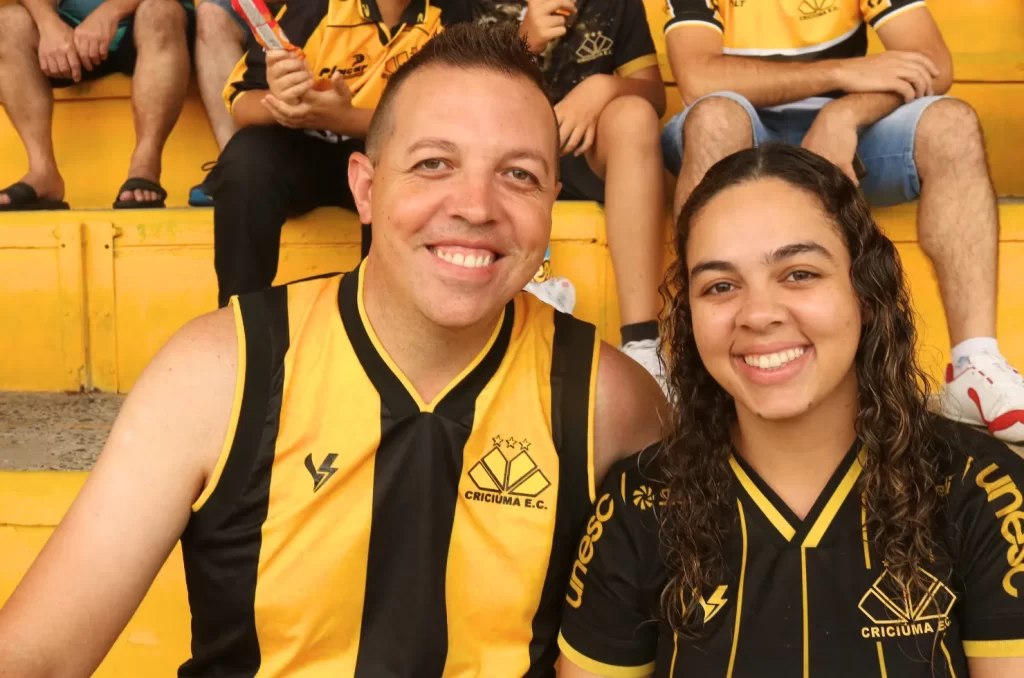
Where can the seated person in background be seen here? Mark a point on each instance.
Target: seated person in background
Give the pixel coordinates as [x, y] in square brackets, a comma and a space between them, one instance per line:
[808, 515]
[45, 45]
[777, 70]
[375, 474]
[601, 71]
[300, 120]
[221, 36]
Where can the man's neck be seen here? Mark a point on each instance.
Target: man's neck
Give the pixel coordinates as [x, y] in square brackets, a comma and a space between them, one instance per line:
[428, 355]
[391, 11]
[797, 457]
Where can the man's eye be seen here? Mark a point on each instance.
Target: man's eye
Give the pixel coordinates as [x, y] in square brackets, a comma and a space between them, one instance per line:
[522, 175]
[432, 164]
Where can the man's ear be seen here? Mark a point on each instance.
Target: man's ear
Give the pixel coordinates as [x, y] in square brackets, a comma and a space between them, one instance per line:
[360, 180]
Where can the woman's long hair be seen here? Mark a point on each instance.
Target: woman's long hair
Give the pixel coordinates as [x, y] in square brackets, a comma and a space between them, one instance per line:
[899, 476]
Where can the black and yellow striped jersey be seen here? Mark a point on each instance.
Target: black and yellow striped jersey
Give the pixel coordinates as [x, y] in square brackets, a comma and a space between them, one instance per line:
[349, 36]
[789, 30]
[806, 597]
[350, 529]
[610, 37]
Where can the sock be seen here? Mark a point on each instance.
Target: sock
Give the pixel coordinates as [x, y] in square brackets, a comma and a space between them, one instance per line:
[973, 346]
[639, 331]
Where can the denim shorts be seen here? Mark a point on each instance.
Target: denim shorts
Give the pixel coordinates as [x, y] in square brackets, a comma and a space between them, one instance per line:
[886, 147]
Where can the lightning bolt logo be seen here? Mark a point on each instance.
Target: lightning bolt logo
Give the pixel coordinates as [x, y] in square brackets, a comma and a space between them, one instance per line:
[323, 474]
[715, 603]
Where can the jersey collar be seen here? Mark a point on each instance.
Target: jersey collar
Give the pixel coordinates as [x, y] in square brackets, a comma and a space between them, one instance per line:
[415, 13]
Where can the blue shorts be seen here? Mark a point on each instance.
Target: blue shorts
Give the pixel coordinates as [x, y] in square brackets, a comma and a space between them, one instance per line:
[886, 147]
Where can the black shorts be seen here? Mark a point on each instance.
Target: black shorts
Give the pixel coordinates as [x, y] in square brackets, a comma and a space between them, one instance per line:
[122, 58]
[579, 181]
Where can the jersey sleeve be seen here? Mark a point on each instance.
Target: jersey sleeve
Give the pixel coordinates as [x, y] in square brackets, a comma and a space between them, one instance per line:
[695, 13]
[986, 518]
[607, 623]
[634, 47]
[877, 12]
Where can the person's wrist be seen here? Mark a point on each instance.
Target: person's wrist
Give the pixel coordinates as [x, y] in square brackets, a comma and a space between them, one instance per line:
[840, 113]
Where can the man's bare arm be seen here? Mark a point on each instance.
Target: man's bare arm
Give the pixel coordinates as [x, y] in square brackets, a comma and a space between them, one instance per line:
[701, 68]
[630, 410]
[94, 571]
[248, 111]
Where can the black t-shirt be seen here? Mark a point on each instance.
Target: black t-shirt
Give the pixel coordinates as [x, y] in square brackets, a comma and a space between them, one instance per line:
[805, 597]
[605, 36]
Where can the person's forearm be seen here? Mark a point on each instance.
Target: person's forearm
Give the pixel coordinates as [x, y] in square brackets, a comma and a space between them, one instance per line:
[763, 83]
[247, 110]
[41, 11]
[866, 108]
[652, 90]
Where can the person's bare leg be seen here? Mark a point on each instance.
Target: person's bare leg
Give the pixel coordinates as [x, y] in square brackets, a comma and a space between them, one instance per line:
[158, 87]
[958, 217]
[219, 46]
[714, 128]
[28, 99]
[627, 155]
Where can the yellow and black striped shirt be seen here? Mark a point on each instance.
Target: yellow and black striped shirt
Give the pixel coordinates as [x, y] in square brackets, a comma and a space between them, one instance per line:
[349, 36]
[806, 597]
[351, 529]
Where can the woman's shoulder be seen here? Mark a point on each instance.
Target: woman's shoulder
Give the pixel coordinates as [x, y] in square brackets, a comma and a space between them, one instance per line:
[638, 483]
[966, 455]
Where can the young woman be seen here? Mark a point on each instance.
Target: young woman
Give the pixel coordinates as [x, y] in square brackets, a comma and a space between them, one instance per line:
[808, 516]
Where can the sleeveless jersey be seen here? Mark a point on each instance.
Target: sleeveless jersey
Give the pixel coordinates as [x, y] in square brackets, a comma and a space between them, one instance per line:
[351, 529]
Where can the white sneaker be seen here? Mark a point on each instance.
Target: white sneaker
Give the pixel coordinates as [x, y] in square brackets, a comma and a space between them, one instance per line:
[988, 392]
[647, 352]
[557, 292]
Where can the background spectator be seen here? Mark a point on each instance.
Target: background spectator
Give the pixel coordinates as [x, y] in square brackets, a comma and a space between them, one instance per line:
[762, 71]
[44, 46]
[300, 120]
[601, 72]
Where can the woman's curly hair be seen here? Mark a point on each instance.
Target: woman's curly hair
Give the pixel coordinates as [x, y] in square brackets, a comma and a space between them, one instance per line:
[898, 482]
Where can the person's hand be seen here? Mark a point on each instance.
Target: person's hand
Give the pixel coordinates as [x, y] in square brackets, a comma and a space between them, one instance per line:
[58, 57]
[288, 77]
[326, 109]
[578, 113]
[833, 136]
[93, 36]
[909, 74]
[545, 21]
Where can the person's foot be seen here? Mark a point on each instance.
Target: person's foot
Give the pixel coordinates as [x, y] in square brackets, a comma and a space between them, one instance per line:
[142, 168]
[48, 186]
[647, 352]
[140, 195]
[987, 391]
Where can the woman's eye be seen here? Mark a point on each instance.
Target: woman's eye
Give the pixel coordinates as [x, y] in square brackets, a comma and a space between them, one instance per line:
[800, 276]
[719, 288]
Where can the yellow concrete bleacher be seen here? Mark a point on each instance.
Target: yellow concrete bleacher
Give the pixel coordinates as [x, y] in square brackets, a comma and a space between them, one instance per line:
[88, 296]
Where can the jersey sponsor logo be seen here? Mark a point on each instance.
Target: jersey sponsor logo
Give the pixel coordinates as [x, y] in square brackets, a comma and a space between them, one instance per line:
[715, 603]
[876, 4]
[595, 45]
[603, 510]
[894, 613]
[643, 497]
[812, 9]
[322, 474]
[1003, 493]
[357, 68]
[513, 482]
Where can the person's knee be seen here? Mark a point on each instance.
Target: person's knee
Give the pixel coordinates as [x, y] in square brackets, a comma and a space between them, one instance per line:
[214, 25]
[17, 29]
[160, 21]
[718, 120]
[631, 119]
[948, 132]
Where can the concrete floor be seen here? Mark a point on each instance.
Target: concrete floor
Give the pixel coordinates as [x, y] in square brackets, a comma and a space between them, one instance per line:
[54, 431]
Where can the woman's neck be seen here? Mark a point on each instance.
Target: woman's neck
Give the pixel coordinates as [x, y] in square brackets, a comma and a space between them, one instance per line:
[797, 457]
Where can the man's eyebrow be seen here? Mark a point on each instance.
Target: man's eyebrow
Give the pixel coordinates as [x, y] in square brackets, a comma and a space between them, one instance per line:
[787, 251]
[433, 142]
[528, 154]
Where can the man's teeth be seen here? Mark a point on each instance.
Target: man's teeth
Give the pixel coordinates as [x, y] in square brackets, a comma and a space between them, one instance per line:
[770, 361]
[465, 260]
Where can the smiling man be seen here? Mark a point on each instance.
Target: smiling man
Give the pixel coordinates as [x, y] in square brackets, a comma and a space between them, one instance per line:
[376, 474]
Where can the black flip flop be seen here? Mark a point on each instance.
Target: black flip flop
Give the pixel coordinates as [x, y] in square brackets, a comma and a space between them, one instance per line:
[139, 184]
[25, 199]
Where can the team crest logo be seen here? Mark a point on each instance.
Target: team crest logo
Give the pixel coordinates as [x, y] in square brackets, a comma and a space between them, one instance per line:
[812, 9]
[508, 475]
[894, 613]
[595, 45]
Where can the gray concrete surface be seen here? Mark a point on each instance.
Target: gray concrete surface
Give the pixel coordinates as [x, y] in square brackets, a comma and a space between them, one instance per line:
[54, 431]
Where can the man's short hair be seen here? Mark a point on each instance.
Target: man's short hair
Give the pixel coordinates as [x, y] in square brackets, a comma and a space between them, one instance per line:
[496, 47]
